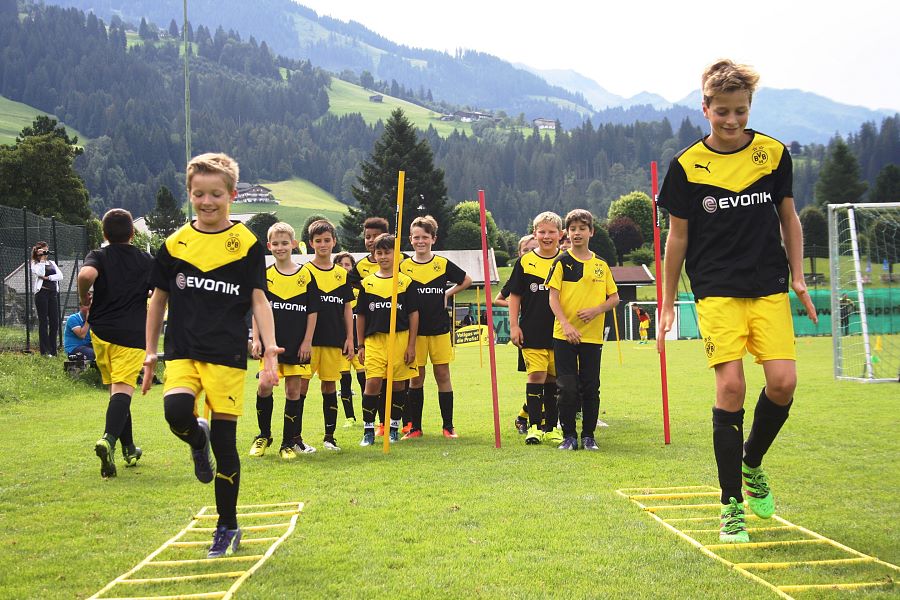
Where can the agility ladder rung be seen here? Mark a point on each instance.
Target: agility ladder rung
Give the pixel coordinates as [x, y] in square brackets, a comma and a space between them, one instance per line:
[273, 513]
[248, 528]
[219, 594]
[749, 529]
[201, 561]
[752, 545]
[204, 543]
[837, 586]
[763, 566]
[198, 577]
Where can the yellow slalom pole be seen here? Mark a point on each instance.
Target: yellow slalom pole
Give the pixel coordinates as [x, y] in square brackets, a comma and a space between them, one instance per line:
[618, 337]
[478, 324]
[392, 335]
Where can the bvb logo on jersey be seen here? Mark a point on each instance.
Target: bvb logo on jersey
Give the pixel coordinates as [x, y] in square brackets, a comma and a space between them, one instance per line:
[301, 280]
[233, 243]
[436, 267]
[598, 274]
[709, 347]
[760, 156]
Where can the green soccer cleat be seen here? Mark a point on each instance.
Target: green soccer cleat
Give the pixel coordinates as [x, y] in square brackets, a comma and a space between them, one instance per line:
[554, 436]
[534, 436]
[259, 445]
[131, 455]
[350, 422]
[756, 489]
[733, 528]
[287, 453]
[106, 453]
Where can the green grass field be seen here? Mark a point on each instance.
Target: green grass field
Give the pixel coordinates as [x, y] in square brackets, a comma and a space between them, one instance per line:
[14, 116]
[448, 518]
[299, 199]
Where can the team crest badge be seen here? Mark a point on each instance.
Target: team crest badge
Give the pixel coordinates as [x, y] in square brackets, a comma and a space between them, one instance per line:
[436, 267]
[760, 156]
[709, 347]
[233, 243]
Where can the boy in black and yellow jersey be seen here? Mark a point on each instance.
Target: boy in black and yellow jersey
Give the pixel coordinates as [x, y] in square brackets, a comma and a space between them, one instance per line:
[293, 299]
[432, 274]
[332, 343]
[120, 274]
[345, 260]
[211, 272]
[373, 323]
[730, 201]
[531, 328]
[582, 289]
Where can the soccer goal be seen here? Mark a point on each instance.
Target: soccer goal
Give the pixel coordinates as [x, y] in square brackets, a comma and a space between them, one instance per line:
[685, 326]
[864, 252]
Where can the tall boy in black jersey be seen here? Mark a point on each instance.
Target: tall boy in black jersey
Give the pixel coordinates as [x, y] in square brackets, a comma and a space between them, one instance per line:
[120, 275]
[333, 339]
[211, 272]
[293, 299]
[373, 324]
[531, 327]
[433, 274]
[582, 289]
[731, 206]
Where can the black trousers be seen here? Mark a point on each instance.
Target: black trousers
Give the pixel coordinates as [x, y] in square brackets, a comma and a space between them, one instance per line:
[578, 382]
[47, 307]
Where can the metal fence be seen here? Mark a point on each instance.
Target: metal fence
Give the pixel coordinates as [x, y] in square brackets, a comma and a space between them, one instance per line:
[20, 230]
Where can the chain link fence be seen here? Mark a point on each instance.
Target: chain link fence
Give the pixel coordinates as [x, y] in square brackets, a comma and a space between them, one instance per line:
[20, 230]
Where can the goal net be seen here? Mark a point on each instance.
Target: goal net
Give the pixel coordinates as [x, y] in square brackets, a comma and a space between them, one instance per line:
[864, 257]
[684, 328]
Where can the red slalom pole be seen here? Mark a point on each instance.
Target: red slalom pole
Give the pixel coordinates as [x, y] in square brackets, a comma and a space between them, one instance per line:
[654, 183]
[488, 295]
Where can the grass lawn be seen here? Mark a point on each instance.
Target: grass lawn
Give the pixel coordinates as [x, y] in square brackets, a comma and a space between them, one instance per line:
[299, 199]
[447, 518]
[14, 116]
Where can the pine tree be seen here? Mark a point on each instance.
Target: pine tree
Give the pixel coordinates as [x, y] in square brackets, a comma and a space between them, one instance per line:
[425, 192]
[887, 185]
[815, 234]
[839, 180]
[167, 216]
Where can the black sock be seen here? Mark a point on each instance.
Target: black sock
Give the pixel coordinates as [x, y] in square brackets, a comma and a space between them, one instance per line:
[398, 405]
[179, 411]
[728, 439]
[223, 439]
[361, 379]
[534, 402]
[116, 415]
[291, 420]
[445, 401]
[768, 418]
[346, 385]
[416, 402]
[551, 411]
[127, 437]
[264, 406]
[347, 401]
[330, 410]
[298, 424]
[369, 407]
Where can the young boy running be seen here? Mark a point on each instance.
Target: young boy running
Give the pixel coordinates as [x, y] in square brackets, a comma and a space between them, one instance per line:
[345, 260]
[432, 275]
[730, 201]
[211, 272]
[531, 328]
[582, 289]
[373, 327]
[332, 343]
[120, 275]
[293, 299]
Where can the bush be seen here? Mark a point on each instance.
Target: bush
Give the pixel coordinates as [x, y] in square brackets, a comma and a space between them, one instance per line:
[641, 256]
[463, 235]
[502, 257]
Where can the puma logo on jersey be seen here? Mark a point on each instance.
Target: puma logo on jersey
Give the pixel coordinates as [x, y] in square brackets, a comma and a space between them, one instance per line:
[704, 167]
[182, 243]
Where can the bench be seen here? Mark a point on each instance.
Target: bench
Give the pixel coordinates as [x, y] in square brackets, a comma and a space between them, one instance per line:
[814, 278]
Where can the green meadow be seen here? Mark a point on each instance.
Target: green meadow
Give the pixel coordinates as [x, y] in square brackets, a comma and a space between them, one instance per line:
[298, 200]
[438, 518]
[15, 116]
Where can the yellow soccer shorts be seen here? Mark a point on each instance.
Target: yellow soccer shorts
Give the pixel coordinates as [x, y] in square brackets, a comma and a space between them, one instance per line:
[284, 370]
[352, 364]
[730, 327]
[327, 362]
[437, 348]
[117, 364]
[539, 360]
[644, 325]
[223, 386]
[377, 356]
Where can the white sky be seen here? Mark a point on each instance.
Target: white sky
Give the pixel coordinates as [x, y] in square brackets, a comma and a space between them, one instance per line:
[846, 51]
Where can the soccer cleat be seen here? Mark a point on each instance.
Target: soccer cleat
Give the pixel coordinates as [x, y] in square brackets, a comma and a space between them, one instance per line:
[302, 448]
[131, 455]
[521, 425]
[554, 436]
[379, 430]
[602, 423]
[204, 464]
[368, 438]
[568, 443]
[534, 436]
[106, 453]
[350, 422]
[287, 453]
[394, 436]
[589, 443]
[259, 445]
[413, 434]
[329, 443]
[406, 428]
[757, 491]
[450, 434]
[225, 542]
[733, 528]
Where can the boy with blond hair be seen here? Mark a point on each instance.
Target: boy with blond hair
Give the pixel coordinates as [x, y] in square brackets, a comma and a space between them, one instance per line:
[373, 322]
[332, 343]
[293, 299]
[740, 257]
[211, 272]
[531, 328]
[582, 289]
[120, 276]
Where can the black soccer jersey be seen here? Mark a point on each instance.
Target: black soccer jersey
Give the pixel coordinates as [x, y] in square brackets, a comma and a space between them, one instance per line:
[433, 279]
[119, 308]
[730, 201]
[334, 291]
[375, 303]
[210, 278]
[529, 274]
[293, 298]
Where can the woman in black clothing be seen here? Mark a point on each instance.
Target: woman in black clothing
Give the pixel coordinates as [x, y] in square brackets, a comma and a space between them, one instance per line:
[46, 297]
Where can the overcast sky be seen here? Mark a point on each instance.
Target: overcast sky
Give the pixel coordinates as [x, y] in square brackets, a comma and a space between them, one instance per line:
[848, 52]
